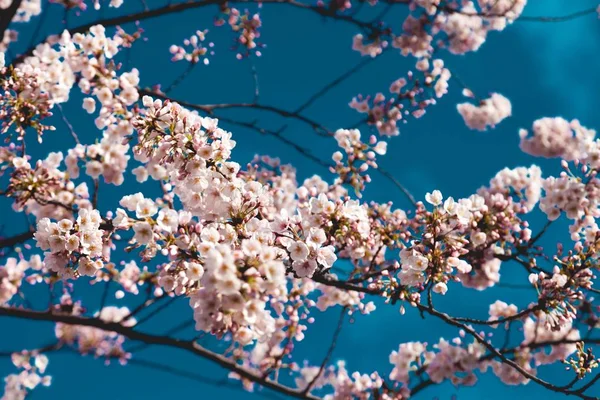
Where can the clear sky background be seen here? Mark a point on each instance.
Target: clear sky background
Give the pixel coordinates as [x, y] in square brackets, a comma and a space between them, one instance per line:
[545, 69]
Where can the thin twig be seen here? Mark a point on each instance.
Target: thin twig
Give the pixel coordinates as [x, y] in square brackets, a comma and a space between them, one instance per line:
[336, 334]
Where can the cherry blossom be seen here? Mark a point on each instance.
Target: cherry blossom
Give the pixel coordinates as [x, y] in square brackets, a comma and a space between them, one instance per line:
[257, 251]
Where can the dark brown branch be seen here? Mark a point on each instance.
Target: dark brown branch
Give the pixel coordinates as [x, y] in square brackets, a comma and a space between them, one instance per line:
[336, 334]
[40, 350]
[249, 125]
[210, 108]
[7, 15]
[514, 317]
[189, 5]
[335, 82]
[14, 240]
[497, 354]
[539, 234]
[25, 236]
[276, 134]
[326, 280]
[132, 334]
[396, 183]
[181, 373]
[156, 310]
[67, 123]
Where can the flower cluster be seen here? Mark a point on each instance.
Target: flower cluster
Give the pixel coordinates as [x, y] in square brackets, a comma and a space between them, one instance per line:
[89, 340]
[247, 27]
[359, 157]
[559, 138]
[435, 260]
[563, 290]
[108, 158]
[346, 385]
[499, 13]
[373, 48]
[459, 28]
[566, 194]
[410, 356]
[11, 278]
[415, 39]
[489, 113]
[86, 59]
[544, 331]
[193, 49]
[456, 361]
[23, 103]
[45, 191]
[410, 97]
[33, 366]
[522, 184]
[81, 4]
[27, 9]
[75, 248]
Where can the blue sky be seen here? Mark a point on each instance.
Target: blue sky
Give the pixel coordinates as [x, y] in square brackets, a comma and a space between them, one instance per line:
[544, 69]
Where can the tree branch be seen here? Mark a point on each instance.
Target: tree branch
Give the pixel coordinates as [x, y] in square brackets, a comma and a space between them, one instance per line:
[7, 15]
[189, 5]
[132, 334]
[17, 239]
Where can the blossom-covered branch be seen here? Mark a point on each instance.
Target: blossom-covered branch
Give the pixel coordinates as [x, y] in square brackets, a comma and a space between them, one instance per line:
[253, 254]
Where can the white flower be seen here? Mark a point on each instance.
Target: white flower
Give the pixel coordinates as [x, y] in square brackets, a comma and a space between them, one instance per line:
[440, 288]
[533, 278]
[194, 271]
[244, 336]
[72, 243]
[463, 214]
[251, 247]
[463, 267]
[229, 285]
[147, 102]
[141, 174]
[168, 220]
[94, 169]
[20, 162]
[450, 206]
[298, 251]
[380, 148]
[145, 208]
[304, 268]
[317, 236]
[130, 202]
[57, 243]
[326, 256]
[559, 279]
[121, 220]
[88, 220]
[435, 198]
[478, 239]
[104, 95]
[89, 105]
[416, 262]
[86, 267]
[411, 277]
[31, 380]
[143, 232]
[41, 362]
[211, 235]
